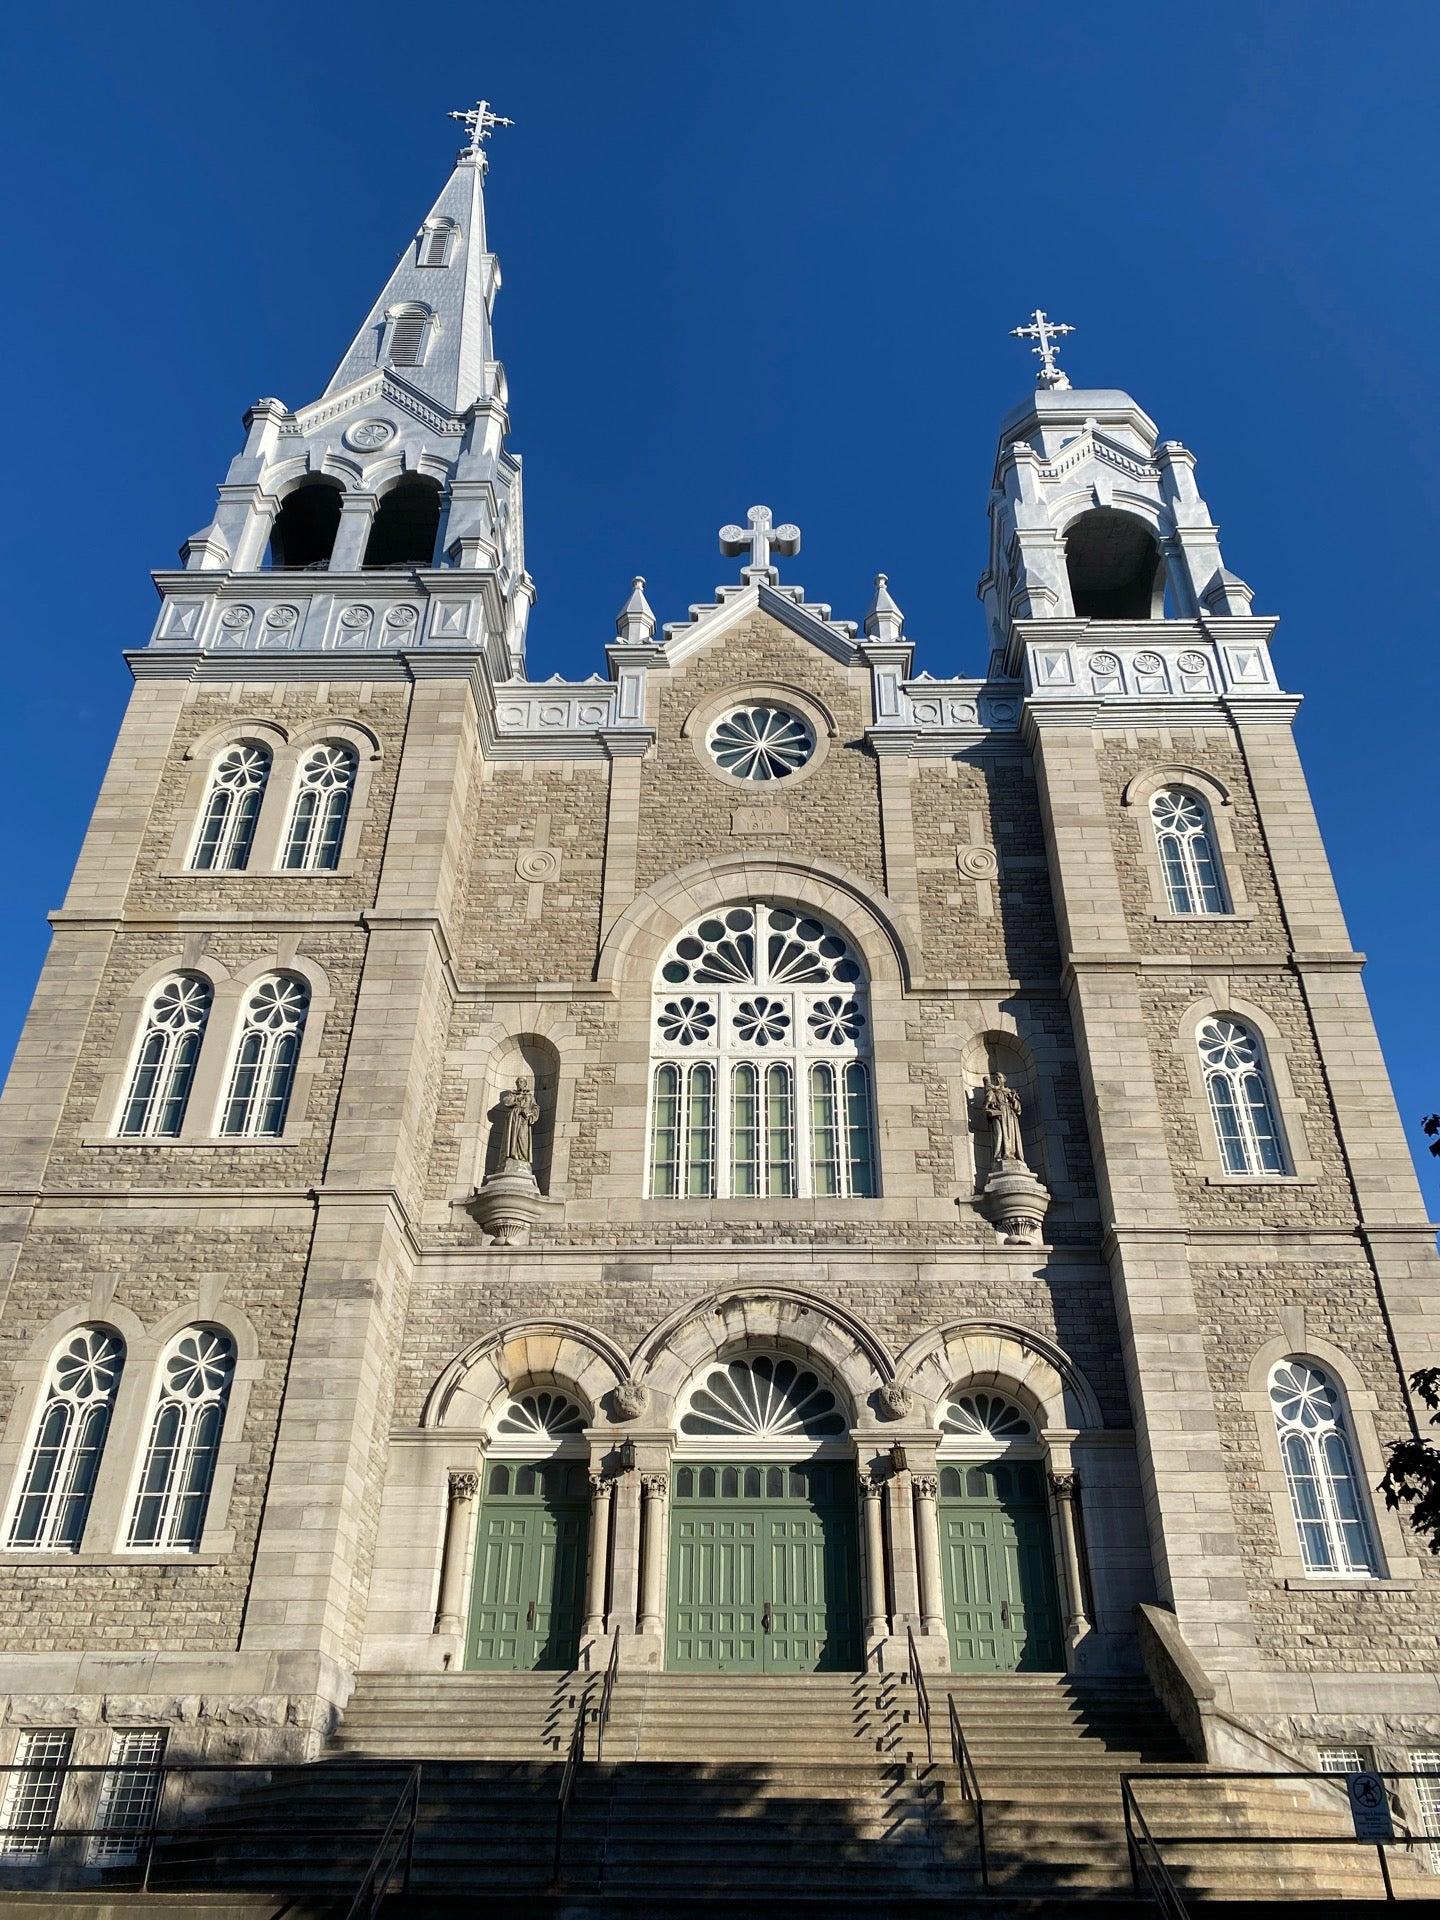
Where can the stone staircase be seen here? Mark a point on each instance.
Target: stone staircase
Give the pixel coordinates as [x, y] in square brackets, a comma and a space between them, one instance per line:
[717, 1790]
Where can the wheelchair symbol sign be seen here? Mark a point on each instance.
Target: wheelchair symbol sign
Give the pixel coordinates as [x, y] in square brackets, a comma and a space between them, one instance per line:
[1369, 1806]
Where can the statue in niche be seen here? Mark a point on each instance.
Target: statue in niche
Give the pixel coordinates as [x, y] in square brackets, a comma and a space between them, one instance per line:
[1003, 1110]
[521, 1115]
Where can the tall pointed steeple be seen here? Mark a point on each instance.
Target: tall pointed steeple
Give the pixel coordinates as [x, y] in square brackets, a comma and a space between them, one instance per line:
[431, 323]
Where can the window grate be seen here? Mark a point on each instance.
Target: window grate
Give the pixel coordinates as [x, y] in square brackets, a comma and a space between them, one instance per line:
[32, 1796]
[128, 1793]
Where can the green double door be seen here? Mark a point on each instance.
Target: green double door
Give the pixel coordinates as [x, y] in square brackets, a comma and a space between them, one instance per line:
[1002, 1604]
[764, 1573]
[526, 1606]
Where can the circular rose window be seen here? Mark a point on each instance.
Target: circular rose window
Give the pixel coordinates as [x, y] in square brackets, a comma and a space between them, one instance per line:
[761, 742]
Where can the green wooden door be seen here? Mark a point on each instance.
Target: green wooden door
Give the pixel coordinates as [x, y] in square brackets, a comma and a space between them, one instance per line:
[763, 1573]
[1001, 1600]
[527, 1602]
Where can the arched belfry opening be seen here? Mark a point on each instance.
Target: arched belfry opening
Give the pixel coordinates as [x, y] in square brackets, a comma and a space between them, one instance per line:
[406, 525]
[1115, 567]
[303, 535]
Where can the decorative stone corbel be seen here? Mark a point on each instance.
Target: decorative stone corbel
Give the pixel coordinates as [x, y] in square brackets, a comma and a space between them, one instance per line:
[631, 1399]
[1015, 1203]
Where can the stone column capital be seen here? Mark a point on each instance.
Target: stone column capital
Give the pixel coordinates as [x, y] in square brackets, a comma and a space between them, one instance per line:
[464, 1483]
[655, 1486]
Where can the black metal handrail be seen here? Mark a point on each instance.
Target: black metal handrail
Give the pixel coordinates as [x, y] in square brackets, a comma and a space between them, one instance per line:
[1403, 1837]
[969, 1788]
[922, 1693]
[396, 1848]
[1147, 1864]
[607, 1695]
[574, 1760]
[212, 1824]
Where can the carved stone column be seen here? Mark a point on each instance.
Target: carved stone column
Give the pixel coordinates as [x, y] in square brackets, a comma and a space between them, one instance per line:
[877, 1618]
[927, 1553]
[903, 1585]
[1064, 1488]
[601, 1487]
[464, 1493]
[654, 1491]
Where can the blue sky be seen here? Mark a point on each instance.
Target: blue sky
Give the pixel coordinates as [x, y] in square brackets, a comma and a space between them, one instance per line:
[753, 254]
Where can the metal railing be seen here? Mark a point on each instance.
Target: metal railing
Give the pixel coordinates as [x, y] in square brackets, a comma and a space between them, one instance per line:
[187, 1819]
[396, 1848]
[969, 1788]
[1146, 1856]
[1148, 1871]
[575, 1756]
[607, 1694]
[922, 1693]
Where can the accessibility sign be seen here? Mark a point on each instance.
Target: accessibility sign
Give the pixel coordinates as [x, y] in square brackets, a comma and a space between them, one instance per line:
[1369, 1806]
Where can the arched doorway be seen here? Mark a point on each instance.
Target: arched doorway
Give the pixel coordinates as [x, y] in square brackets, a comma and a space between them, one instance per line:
[997, 1554]
[531, 1537]
[764, 1537]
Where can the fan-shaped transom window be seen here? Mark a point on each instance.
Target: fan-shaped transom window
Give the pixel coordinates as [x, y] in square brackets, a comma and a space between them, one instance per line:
[975, 1417]
[768, 1398]
[1326, 1496]
[761, 1035]
[761, 742]
[540, 1420]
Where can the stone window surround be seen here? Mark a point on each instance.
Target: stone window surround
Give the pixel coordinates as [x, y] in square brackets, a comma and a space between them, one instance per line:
[1290, 1109]
[1399, 1567]
[200, 1126]
[287, 752]
[821, 721]
[117, 1482]
[1139, 791]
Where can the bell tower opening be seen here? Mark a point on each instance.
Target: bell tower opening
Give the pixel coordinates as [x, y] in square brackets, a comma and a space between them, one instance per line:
[1115, 567]
[303, 535]
[406, 525]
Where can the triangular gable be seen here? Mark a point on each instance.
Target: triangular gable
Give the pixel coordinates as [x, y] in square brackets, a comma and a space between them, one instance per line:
[712, 620]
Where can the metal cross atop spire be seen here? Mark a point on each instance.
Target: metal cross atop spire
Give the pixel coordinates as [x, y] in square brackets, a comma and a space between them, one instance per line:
[1046, 332]
[758, 538]
[479, 122]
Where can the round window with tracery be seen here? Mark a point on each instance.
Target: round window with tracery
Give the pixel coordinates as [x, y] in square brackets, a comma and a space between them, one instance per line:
[761, 743]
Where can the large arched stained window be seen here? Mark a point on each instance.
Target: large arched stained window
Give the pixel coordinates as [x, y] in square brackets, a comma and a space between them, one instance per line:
[1241, 1102]
[322, 801]
[258, 1096]
[159, 1087]
[760, 1043]
[64, 1456]
[1325, 1492]
[1186, 841]
[232, 806]
[184, 1442]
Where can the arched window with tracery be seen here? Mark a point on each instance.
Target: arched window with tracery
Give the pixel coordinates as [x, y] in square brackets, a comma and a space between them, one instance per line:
[1326, 1496]
[64, 1455]
[322, 802]
[232, 806]
[1186, 842]
[159, 1087]
[184, 1444]
[760, 1048]
[263, 1075]
[1241, 1102]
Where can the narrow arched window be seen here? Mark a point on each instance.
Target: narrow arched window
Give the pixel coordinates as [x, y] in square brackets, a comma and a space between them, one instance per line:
[761, 1077]
[263, 1075]
[1241, 1102]
[1326, 1496]
[1186, 841]
[184, 1442]
[159, 1088]
[232, 806]
[409, 337]
[322, 802]
[64, 1456]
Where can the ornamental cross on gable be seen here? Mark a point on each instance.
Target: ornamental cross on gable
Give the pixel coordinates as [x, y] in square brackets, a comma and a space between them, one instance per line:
[479, 122]
[1045, 332]
[760, 539]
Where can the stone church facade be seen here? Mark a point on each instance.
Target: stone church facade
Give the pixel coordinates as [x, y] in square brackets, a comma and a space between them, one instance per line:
[761, 1327]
